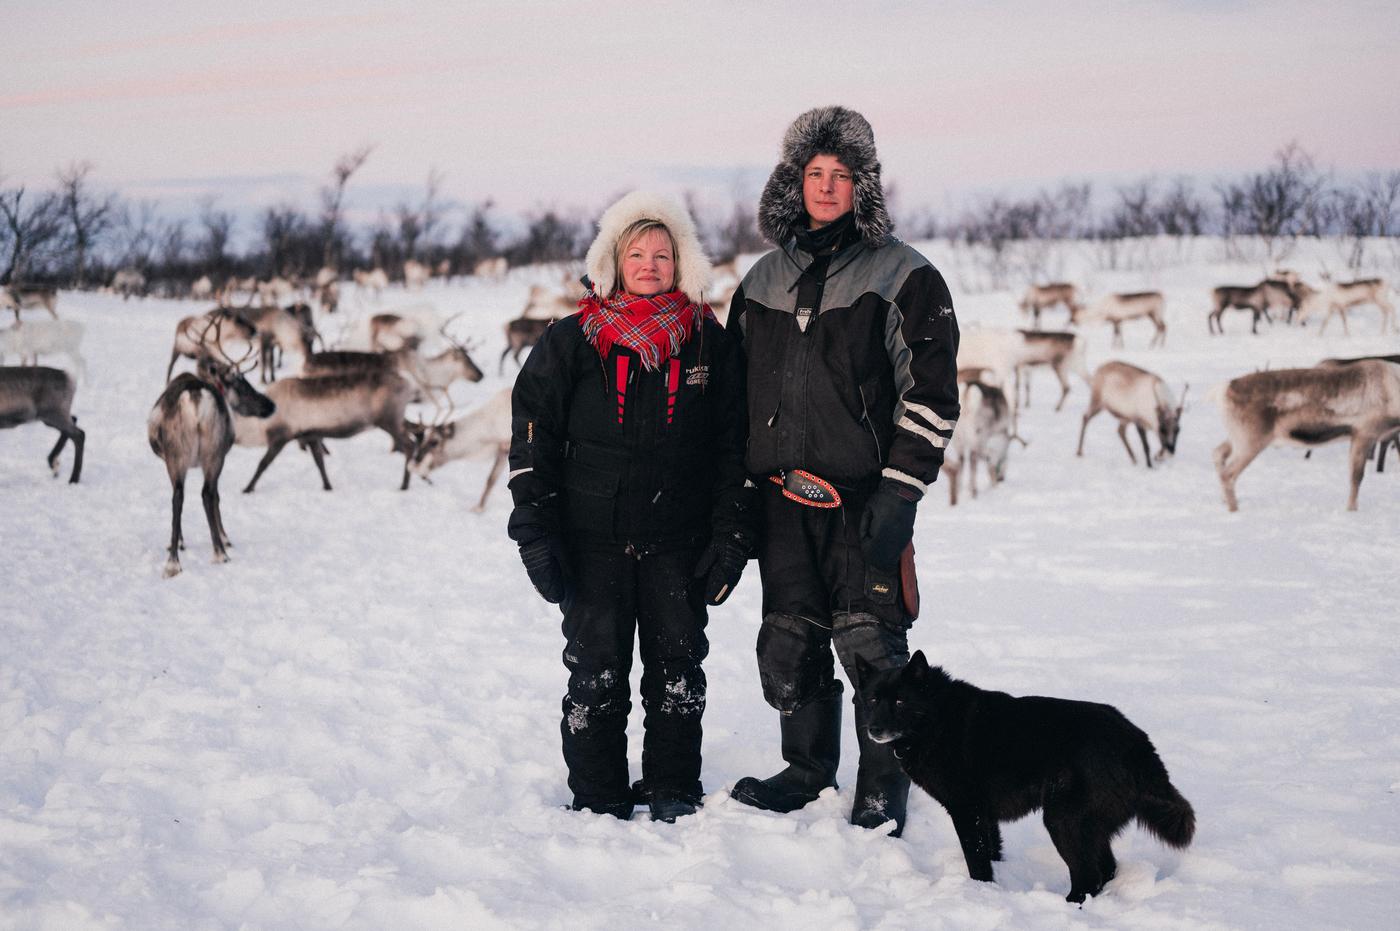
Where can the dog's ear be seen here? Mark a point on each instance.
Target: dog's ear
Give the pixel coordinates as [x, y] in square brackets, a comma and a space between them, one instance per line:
[918, 664]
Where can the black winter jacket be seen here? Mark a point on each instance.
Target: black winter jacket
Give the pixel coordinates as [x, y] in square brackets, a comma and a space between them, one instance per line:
[870, 386]
[628, 462]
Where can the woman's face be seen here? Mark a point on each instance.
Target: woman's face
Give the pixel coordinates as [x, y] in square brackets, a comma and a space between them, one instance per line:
[649, 264]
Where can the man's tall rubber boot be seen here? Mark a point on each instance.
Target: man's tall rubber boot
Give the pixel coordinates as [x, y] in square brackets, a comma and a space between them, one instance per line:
[882, 788]
[812, 749]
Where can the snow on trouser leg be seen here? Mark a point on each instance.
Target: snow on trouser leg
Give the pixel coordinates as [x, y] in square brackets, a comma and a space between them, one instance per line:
[594, 731]
[882, 788]
[673, 697]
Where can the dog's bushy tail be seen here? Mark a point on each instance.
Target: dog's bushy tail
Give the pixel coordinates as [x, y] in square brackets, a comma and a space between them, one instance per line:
[1166, 814]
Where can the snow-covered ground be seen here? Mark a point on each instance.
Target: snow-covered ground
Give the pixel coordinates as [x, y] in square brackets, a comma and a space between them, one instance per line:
[355, 722]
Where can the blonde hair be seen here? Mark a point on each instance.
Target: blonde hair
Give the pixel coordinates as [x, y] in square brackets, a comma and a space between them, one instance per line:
[634, 231]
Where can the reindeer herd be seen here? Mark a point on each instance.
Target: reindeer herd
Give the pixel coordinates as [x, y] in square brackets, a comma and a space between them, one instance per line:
[340, 392]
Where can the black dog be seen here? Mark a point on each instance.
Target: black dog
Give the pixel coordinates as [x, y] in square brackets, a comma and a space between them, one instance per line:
[989, 757]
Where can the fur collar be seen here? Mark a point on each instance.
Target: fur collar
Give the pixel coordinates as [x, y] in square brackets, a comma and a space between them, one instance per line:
[694, 275]
[825, 131]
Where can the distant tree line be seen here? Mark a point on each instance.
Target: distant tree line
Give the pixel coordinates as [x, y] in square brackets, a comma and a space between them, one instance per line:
[76, 235]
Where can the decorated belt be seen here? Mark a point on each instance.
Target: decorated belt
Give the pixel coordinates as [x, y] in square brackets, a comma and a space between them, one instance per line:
[805, 488]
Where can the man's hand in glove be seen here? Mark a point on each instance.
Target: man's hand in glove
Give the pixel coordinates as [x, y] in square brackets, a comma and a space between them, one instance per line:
[722, 564]
[887, 526]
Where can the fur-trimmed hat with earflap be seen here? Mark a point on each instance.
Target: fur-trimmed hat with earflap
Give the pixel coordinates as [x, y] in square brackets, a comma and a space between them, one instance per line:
[835, 131]
[693, 271]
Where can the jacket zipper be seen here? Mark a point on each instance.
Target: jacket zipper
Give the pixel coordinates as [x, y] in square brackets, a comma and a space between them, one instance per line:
[865, 416]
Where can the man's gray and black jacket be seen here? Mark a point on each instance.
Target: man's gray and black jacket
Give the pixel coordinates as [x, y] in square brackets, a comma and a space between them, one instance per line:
[629, 463]
[851, 360]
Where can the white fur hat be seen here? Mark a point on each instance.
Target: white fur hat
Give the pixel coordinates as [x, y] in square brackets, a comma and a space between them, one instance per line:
[693, 272]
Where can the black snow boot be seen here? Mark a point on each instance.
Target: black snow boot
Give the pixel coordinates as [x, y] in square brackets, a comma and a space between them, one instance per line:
[882, 788]
[812, 749]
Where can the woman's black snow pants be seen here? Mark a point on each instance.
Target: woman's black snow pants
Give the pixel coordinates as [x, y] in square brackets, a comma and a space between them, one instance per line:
[614, 593]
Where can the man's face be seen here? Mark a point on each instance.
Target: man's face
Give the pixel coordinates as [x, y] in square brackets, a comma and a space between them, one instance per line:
[827, 189]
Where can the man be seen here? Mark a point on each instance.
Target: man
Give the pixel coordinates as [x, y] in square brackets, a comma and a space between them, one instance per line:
[851, 352]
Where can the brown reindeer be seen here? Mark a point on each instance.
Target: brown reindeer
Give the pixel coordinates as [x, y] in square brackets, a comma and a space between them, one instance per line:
[1062, 352]
[31, 393]
[1118, 308]
[521, 334]
[1259, 300]
[190, 427]
[1040, 297]
[310, 410]
[26, 297]
[211, 334]
[1137, 397]
[1338, 297]
[1308, 407]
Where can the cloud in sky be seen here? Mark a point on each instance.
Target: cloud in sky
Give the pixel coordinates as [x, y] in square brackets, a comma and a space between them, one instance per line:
[542, 101]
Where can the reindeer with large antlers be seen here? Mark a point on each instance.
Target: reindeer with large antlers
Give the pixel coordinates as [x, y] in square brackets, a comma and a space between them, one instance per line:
[210, 334]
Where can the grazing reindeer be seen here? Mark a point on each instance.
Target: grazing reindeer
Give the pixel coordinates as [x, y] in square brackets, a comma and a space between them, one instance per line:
[1040, 297]
[984, 435]
[210, 333]
[1061, 351]
[521, 334]
[310, 410]
[27, 297]
[484, 431]
[44, 337]
[33, 393]
[1338, 297]
[1118, 308]
[1308, 407]
[190, 426]
[1135, 396]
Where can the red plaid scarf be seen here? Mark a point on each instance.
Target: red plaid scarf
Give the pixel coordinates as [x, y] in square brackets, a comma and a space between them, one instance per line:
[655, 327]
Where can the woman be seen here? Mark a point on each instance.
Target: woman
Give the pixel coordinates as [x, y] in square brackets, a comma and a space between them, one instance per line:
[631, 509]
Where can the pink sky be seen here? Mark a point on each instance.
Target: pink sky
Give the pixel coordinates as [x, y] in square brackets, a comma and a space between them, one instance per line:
[544, 102]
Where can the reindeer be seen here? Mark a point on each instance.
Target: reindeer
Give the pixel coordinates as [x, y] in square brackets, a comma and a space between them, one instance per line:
[203, 288]
[190, 426]
[486, 430]
[31, 393]
[1138, 397]
[548, 304]
[209, 334]
[521, 334]
[1338, 297]
[329, 297]
[279, 328]
[1259, 300]
[1386, 441]
[27, 297]
[415, 275]
[1040, 297]
[129, 282]
[388, 332]
[434, 374]
[984, 435]
[44, 337]
[274, 291]
[1118, 308]
[1061, 351]
[310, 410]
[1308, 407]
[373, 280]
[492, 268]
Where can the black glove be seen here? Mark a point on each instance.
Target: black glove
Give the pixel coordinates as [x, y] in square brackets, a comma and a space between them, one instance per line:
[532, 526]
[541, 559]
[722, 564]
[887, 525]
